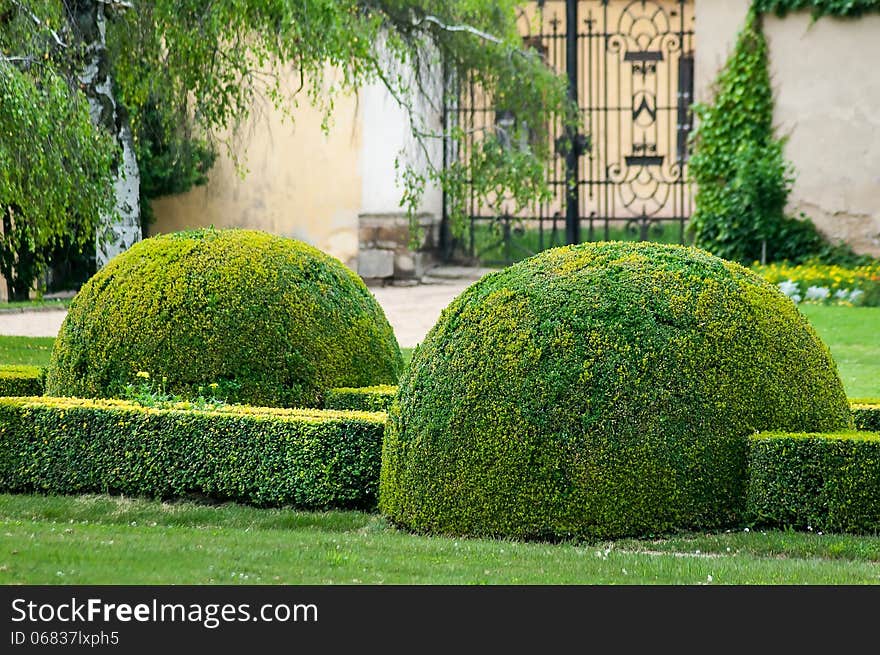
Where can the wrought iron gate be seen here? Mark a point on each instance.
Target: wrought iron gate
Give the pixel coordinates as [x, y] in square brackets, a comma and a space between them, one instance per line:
[630, 65]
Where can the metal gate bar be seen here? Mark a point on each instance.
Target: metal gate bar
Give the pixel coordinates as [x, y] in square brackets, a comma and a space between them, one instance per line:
[630, 67]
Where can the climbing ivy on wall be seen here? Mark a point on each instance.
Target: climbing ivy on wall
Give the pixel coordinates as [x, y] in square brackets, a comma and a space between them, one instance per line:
[819, 8]
[738, 164]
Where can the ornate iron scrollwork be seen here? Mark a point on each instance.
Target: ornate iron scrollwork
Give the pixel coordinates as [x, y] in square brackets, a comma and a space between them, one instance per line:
[627, 165]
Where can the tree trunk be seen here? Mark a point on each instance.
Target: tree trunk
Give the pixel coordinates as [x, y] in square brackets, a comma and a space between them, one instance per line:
[18, 265]
[115, 234]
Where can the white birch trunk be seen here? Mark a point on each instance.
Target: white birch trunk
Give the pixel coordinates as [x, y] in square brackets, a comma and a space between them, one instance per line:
[114, 234]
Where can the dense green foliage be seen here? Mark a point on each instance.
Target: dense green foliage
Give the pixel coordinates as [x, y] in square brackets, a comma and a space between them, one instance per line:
[742, 178]
[825, 482]
[270, 320]
[364, 399]
[21, 380]
[54, 164]
[189, 74]
[304, 458]
[603, 389]
[819, 8]
[866, 414]
[738, 165]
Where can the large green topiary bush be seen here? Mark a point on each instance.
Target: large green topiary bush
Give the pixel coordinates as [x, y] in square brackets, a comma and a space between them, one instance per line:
[270, 320]
[600, 390]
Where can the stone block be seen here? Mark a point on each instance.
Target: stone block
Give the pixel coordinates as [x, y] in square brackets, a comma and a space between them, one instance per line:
[373, 263]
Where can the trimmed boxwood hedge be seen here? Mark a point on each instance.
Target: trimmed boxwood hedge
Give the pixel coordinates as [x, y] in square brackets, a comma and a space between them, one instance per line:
[310, 459]
[866, 414]
[601, 390]
[368, 399]
[270, 320]
[828, 482]
[21, 380]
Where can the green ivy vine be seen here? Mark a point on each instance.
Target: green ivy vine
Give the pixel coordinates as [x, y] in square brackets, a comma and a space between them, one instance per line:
[819, 8]
[738, 165]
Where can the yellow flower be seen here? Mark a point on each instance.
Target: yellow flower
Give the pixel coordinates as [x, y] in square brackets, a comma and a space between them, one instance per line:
[143, 374]
[214, 385]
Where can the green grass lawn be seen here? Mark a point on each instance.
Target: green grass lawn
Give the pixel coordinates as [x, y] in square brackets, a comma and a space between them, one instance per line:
[853, 335]
[49, 303]
[34, 351]
[103, 540]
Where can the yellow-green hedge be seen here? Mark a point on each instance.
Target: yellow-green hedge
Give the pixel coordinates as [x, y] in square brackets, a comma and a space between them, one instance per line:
[368, 399]
[21, 380]
[270, 320]
[866, 414]
[601, 390]
[312, 459]
[828, 482]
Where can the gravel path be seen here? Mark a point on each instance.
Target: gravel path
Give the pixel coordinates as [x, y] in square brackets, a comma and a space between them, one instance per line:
[32, 324]
[411, 310]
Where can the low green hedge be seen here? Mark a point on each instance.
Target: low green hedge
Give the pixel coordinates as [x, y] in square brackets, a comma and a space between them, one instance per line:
[828, 482]
[866, 413]
[21, 380]
[310, 459]
[365, 399]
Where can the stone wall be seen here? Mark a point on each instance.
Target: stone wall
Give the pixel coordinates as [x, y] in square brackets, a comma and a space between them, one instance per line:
[386, 250]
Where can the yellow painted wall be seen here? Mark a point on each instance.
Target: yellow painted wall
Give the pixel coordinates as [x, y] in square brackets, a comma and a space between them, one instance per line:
[299, 183]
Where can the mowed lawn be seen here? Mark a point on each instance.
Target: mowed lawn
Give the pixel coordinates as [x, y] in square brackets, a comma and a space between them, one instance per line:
[103, 540]
[106, 540]
[853, 335]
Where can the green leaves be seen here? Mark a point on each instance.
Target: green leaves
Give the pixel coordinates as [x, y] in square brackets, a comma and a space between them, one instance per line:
[367, 399]
[274, 316]
[308, 459]
[738, 165]
[21, 380]
[819, 8]
[55, 171]
[600, 390]
[822, 482]
[742, 178]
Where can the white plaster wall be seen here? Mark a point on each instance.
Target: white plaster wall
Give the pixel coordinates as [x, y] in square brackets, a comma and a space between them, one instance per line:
[387, 136]
[827, 86]
[716, 24]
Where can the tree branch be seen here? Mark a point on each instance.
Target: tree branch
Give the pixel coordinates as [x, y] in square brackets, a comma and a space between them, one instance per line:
[39, 23]
[113, 4]
[458, 28]
[27, 59]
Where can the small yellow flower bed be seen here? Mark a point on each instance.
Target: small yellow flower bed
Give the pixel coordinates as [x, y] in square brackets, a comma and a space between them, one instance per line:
[824, 283]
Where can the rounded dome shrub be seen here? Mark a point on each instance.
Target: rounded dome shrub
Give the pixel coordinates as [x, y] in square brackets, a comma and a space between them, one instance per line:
[600, 390]
[267, 320]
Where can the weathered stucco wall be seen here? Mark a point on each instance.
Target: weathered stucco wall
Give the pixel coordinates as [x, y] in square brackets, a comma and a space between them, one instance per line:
[716, 25]
[827, 99]
[299, 183]
[306, 184]
[827, 93]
